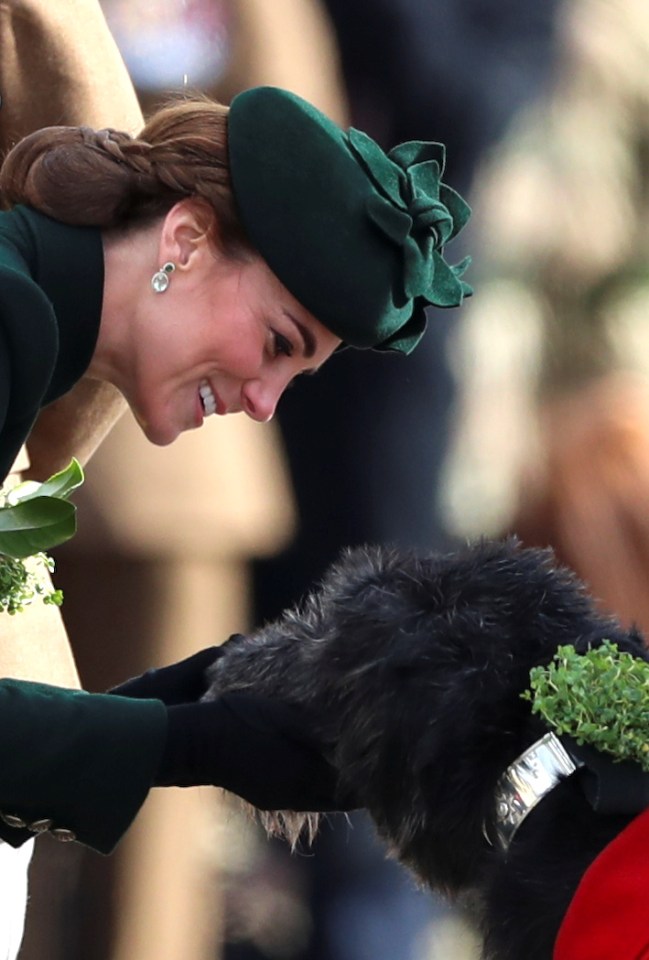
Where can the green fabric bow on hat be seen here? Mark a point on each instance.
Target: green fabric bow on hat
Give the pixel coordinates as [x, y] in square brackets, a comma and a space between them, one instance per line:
[418, 212]
[355, 234]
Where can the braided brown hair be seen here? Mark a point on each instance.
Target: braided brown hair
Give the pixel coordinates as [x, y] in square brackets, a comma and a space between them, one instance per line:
[108, 179]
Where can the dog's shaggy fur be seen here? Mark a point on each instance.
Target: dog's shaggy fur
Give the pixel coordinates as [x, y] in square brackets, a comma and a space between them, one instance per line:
[414, 668]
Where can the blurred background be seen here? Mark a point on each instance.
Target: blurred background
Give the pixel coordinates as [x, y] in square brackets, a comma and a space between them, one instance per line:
[526, 411]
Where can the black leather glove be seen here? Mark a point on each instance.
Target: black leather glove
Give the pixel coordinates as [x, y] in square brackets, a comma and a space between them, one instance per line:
[182, 682]
[259, 749]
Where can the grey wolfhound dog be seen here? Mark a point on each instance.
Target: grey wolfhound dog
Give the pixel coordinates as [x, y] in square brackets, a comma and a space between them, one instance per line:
[413, 666]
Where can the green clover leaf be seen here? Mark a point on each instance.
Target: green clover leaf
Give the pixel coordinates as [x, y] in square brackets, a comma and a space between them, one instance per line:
[600, 697]
[34, 517]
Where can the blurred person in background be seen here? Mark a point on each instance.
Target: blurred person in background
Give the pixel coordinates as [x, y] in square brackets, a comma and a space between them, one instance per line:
[553, 360]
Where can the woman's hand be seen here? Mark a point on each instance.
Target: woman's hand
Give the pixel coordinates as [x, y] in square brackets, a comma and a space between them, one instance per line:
[183, 682]
[257, 748]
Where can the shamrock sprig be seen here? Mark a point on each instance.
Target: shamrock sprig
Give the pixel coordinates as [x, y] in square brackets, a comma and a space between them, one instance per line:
[34, 517]
[600, 698]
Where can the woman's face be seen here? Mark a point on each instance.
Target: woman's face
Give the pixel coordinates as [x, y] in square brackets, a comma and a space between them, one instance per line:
[225, 337]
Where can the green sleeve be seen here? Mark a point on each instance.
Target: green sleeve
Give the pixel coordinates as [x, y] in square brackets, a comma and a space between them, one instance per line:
[77, 764]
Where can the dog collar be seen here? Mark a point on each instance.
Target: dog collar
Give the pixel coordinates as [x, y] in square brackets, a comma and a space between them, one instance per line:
[526, 781]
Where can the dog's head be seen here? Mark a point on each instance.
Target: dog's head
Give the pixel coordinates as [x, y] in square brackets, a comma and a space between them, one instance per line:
[415, 665]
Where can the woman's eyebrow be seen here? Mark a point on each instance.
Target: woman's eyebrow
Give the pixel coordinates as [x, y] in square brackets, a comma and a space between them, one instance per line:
[309, 342]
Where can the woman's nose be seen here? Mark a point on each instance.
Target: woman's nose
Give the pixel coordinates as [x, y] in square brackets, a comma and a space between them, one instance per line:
[260, 398]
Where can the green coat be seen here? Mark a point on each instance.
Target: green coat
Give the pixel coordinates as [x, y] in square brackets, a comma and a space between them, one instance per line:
[77, 764]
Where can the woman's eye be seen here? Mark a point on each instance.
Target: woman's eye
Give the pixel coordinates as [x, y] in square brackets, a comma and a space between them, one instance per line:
[282, 345]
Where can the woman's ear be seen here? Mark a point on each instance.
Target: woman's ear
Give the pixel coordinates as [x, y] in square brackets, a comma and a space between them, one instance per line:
[186, 228]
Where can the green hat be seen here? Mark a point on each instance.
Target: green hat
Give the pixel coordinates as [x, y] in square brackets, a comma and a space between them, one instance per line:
[355, 234]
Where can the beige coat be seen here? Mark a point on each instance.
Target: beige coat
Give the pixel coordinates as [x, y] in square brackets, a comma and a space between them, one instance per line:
[553, 353]
[58, 63]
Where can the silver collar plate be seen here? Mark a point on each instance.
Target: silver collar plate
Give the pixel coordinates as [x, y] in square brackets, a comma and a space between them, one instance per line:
[526, 781]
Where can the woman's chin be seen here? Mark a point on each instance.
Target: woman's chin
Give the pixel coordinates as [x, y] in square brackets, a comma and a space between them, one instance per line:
[160, 434]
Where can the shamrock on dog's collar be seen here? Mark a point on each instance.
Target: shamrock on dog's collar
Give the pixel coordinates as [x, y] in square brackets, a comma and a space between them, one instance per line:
[599, 698]
[597, 704]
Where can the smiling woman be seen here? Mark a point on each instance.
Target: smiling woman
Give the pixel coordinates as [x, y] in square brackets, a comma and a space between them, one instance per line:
[199, 268]
[238, 248]
[227, 336]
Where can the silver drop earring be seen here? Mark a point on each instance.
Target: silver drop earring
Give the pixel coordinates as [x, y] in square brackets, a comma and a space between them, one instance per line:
[160, 279]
